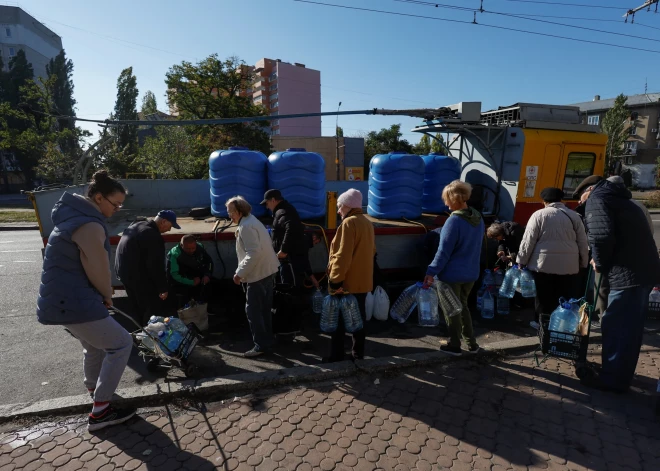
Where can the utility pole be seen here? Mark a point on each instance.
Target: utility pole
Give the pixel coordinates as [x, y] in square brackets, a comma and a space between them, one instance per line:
[337, 144]
[647, 4]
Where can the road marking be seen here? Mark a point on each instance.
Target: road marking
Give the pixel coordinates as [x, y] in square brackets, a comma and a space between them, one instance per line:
[19, 251]
[24, 261]
[6, 241]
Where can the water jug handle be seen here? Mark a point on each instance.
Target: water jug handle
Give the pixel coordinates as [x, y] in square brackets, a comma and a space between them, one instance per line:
[562, 301]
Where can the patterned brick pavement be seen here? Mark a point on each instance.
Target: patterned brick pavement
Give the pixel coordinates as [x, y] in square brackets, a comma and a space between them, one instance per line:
[493, 415]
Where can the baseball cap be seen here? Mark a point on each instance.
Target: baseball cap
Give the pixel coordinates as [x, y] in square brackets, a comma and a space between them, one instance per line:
[272, 194]
[169, 215]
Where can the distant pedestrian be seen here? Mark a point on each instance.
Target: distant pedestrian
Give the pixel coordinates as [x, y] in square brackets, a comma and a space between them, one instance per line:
[257, 265]
[624, 252]
[351, 267]
[457, 262]
[76, 291]
[140, 264]
[554, 248]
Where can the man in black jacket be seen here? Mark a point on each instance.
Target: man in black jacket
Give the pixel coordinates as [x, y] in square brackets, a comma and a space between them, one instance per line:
[623, 250]
[140, 264]
[189, 268]
[509, 234]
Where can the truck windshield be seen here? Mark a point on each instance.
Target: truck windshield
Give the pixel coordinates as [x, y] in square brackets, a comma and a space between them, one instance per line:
[579, 165]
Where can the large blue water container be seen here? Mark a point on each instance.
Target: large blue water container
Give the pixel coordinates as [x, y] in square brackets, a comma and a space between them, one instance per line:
[395, 186]
[440, 170]
[300, 176]
[237, 171]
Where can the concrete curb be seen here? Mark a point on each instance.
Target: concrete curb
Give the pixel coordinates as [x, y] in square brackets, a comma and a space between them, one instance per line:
[19, 227]
[157, 394]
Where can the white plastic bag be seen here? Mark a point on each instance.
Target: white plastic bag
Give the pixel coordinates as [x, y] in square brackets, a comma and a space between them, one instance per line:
[369, 306]
[381, 307]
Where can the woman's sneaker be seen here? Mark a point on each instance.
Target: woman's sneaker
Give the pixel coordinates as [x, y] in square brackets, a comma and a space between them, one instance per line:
[474, 349]
[449, 350]
[109, 416]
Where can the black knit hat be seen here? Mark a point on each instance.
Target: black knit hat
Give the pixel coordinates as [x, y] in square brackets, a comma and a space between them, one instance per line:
[586, 183]
[552, 195]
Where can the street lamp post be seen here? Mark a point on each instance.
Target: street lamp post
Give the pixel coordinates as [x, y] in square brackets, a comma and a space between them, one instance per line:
[337, 144]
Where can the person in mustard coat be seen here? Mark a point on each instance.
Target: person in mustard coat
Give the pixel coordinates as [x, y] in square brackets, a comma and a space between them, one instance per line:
[351, 266]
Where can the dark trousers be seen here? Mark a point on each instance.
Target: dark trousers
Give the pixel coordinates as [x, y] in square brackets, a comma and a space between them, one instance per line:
[549, 288]
[359, 337]
[144, 302]
[623, 328]
[461, 325]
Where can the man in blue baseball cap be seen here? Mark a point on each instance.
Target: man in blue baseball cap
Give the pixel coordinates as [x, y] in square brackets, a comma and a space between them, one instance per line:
[140, 264]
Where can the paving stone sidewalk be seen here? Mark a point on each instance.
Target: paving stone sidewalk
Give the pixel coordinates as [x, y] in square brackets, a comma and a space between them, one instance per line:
[486, 414]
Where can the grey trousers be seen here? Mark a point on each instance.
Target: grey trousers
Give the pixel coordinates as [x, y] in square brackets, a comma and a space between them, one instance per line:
[106, 349]
[258, 304]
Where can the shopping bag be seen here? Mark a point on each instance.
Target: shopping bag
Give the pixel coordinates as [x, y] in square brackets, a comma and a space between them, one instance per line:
[195, 313]
[381, 307]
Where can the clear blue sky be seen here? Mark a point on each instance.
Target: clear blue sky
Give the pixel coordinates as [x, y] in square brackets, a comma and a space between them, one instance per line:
[366, 59]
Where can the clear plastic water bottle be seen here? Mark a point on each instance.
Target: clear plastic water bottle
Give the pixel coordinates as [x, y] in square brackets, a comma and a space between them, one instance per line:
[499, 278]
[350, 312]
[427, 307]
[176, 325]
[527, 284]
[447, 299]
[330, 314]
[406, 303]
[503, 306]
[654, 297]
[317, 302]
[480, 297]
[156, 319]
[489, 278]
[510, 282]
[170, 341]
[564, 319]
[488, 308]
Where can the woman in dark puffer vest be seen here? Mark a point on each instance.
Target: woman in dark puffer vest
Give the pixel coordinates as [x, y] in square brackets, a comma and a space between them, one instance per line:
[76, 291]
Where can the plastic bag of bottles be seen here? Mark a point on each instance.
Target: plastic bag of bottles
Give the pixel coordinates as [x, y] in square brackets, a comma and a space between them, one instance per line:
[406, 303]
[427, 306]
[381, 304]
[527, 284]
[350, 312]
[330, 314]
[447, 299]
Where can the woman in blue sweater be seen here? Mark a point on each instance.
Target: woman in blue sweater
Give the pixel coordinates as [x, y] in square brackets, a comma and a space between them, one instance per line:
[457, 261]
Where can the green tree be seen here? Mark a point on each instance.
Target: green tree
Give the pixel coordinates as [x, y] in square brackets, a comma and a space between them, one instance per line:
[384, 141]
[173, 153]
[126, 109]
[20, 71]
[214, 88]
[339, 132]
[149, 103]
[423, 147]
[438, 144]
[614, 125]
[63, 102]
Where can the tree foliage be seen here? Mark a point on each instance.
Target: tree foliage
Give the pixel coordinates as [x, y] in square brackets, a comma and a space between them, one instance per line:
[149, 103]
[173, 153]
[63, 102]
[614, 125]
[126, 110]
[213, 88]
[385, 141]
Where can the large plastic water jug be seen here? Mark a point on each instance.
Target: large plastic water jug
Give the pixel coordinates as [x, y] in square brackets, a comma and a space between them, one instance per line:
[427, 307]
[488, 308]
[405, 304]
[350, 312]
[317, 302]
[300, 176]
[564, 319]
[498, 274]
[510, 283]
[448, 300]
[439, 171]
[395, 186]
[527, 284]
[489, 278]
[654, 296]
[330, 314]
[237, 171]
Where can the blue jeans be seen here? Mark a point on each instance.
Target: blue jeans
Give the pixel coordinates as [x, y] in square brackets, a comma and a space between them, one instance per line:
[258, 304]
[623, 328]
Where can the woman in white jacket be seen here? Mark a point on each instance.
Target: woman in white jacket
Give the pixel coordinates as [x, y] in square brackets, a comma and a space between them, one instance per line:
[257, 264]
[555, 248]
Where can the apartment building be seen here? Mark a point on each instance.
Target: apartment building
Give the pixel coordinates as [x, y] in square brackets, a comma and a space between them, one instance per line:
[285, 88]
[19, 30]
[642, 148]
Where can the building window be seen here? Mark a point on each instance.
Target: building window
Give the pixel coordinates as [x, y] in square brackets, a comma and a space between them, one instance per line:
[273, 76]
[274, 105]
[630, 145]
[274, 96]
[275, 122]
[657, 145]
[258, 99]
[276, 132]
[275, 113]
[8, 32]
[12, 52]
[273, 87]
[593, 120]
[579, 166]
[633, 130]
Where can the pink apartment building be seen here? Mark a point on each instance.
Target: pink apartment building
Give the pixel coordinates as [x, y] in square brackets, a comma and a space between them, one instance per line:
[285, 88]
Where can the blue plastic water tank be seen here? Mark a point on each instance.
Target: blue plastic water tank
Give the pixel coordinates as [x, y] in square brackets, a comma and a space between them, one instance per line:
[300, 176]
[395, 186]
[237, 171]
[440, 170]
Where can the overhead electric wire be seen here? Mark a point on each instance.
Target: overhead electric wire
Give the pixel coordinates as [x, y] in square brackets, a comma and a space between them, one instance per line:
[485, 25]
[524, 17]
[578, 5]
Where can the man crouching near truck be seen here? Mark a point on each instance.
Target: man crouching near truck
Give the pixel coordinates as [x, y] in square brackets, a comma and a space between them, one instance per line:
[76, 291]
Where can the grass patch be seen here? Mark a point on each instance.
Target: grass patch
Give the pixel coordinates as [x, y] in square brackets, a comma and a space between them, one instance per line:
[17, 216]
[653, 200]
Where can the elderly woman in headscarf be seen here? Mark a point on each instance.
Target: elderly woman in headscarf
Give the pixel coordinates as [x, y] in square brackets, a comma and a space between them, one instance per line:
[554, 248]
